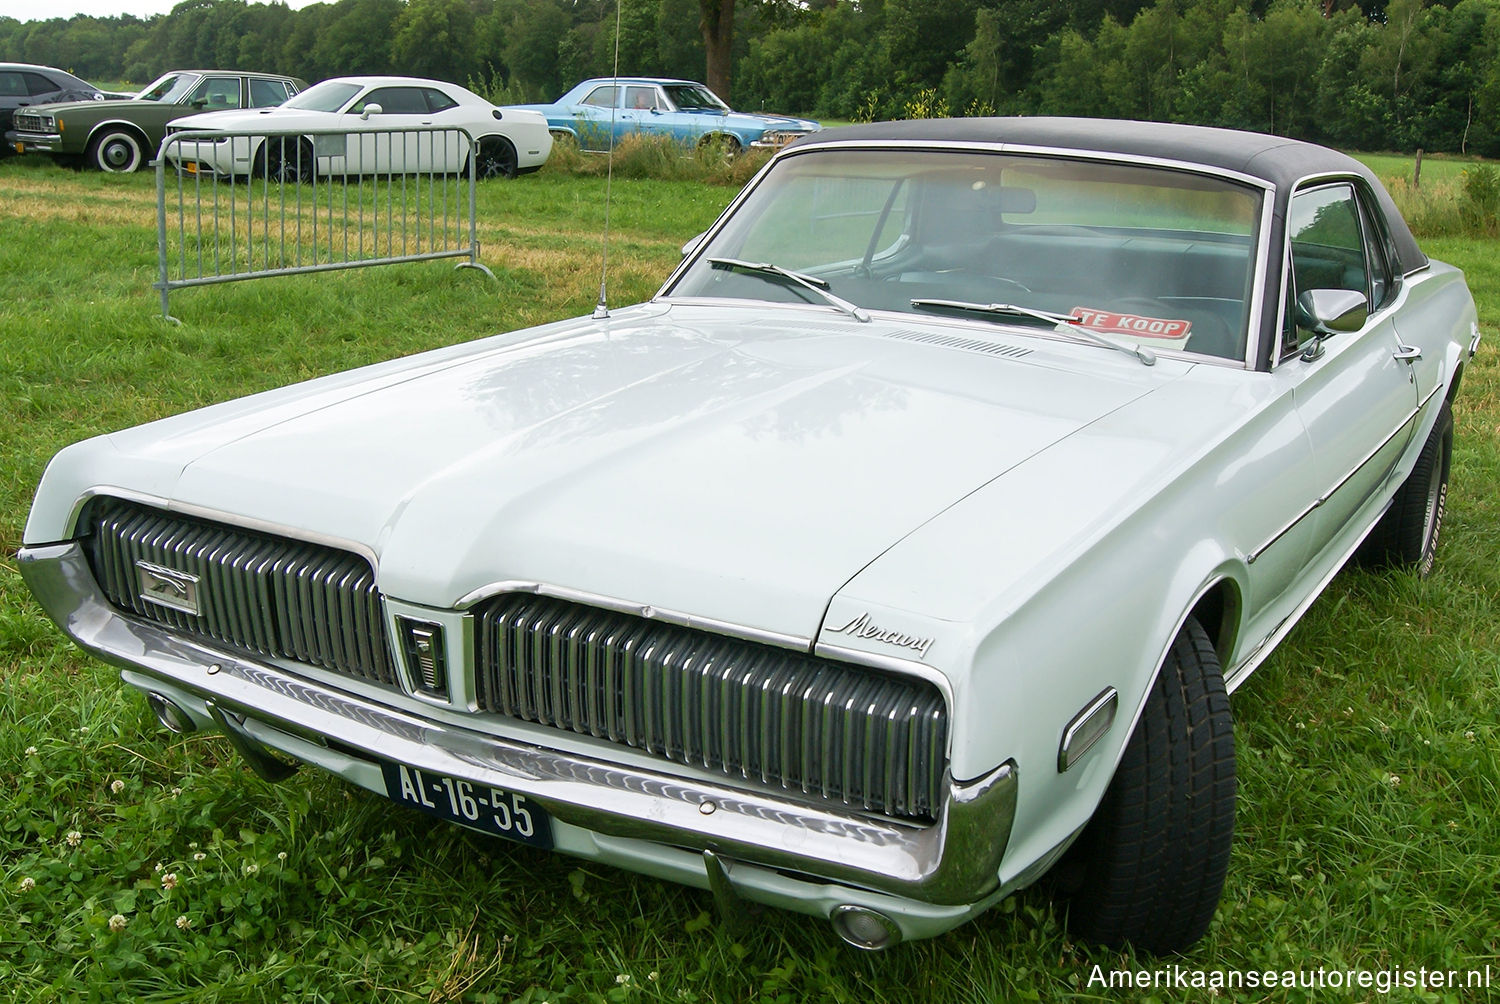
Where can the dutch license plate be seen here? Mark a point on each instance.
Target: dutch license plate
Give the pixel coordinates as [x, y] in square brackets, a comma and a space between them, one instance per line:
[479, 806]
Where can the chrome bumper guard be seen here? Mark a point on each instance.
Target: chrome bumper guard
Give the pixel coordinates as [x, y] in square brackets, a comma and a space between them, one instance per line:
[944, 870]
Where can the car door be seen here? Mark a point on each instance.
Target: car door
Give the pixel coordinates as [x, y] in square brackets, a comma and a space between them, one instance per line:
[394, 139]
[216, 94]
[593, 117]
[639, 111]
[1356, 392]
[446, 148]
[15, 92]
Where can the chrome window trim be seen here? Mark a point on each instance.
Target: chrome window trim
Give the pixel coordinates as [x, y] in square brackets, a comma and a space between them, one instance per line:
[1309, 182]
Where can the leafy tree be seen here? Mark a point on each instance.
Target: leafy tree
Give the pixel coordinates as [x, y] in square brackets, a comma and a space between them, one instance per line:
[435, 38]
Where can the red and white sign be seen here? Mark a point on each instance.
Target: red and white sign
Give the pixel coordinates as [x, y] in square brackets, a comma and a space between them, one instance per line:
[1108, 322]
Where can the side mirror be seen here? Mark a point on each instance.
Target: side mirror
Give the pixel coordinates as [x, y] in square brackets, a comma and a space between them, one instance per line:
[370, 109]
[692, 245]
[1329, 311]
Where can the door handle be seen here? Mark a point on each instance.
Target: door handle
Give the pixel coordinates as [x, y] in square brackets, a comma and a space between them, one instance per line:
[1407, 353]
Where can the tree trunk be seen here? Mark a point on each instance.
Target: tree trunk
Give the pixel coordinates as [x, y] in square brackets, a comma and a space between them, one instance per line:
[718, 37]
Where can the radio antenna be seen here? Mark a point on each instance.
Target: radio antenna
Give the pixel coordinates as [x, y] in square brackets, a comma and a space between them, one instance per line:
[601, 309]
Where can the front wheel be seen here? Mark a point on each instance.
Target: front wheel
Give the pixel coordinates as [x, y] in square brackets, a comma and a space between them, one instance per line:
[720, 146]
[285, 159]
[1151, 863]
[117, 151]
[1407, 535]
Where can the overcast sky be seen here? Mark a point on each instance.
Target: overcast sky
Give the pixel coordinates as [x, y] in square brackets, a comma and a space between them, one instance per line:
[45, 10]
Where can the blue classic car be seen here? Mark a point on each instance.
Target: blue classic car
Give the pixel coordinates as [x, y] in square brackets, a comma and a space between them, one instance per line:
[599, 113]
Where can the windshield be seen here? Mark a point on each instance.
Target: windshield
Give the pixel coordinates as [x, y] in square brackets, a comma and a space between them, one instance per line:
[329, 96]
[694, 97]
[1150, 256]
[170, 88]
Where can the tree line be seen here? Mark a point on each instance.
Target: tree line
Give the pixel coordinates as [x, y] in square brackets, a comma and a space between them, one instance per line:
[1384, 74]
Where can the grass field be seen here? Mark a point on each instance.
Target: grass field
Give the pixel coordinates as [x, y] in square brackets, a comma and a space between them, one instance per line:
[1369, 743]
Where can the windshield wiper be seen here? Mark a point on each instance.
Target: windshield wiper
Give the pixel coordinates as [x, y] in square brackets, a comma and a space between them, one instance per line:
[812, 282]
[1066, 324]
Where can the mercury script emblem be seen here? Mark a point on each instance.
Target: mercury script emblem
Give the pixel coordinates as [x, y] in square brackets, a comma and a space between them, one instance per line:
[861, 627]
[167, 587]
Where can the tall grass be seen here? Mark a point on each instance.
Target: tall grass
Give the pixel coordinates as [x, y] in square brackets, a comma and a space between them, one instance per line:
[1464, 206]
[662, 158]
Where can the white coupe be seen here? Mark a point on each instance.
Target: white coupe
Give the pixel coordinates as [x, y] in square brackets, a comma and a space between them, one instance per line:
[348, 126]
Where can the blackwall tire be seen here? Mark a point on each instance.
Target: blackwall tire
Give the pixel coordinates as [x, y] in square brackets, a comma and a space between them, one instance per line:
[497, 159]
[287, 160]
[1150, 866]
[1407, 535]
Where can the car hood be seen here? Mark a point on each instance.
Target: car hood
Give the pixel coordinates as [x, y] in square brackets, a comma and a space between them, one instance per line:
[675, 456]
[101, 107]
[776, 121]
[275, 118]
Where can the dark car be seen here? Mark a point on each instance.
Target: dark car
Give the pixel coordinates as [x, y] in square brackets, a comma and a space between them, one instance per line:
[23, 85]
[122, 136]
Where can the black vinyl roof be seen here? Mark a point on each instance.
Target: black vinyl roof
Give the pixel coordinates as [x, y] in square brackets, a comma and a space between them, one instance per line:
[1276, 160]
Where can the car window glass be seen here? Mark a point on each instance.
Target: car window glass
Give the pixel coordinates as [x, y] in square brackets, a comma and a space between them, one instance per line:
[437, 101]
[1381, 280]
[38, 84]
[169, 89]
[601, 97]
[640, 97]
[693, 96]
[393, 101]
[1327, 241]
[1163, 258]
[12, 84]
[329, 96]
[870, 218]
[216, 94]
[266, 93]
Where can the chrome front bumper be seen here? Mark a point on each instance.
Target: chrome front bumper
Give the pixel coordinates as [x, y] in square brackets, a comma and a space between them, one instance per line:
[22, 142]
[928, 878]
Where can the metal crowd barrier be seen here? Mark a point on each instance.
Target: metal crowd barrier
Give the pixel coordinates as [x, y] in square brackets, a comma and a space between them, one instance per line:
[242, 204]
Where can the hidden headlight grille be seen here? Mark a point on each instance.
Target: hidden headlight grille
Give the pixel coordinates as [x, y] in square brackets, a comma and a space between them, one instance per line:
[774, 717]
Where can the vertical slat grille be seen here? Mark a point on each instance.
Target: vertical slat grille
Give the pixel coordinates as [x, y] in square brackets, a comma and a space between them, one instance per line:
[281, 598]
[777, 718]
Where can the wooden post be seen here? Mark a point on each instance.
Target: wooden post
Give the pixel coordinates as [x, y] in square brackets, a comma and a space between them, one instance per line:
[1416, 174]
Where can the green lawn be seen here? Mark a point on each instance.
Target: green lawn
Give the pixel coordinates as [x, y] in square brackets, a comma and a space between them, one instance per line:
[1369, 744]
[1436, 167]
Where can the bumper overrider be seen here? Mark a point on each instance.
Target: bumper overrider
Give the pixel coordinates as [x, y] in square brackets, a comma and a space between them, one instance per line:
[877, 879]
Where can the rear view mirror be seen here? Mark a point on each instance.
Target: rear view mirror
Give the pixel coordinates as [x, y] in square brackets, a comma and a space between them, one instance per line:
[1327, 312]
[370, 109]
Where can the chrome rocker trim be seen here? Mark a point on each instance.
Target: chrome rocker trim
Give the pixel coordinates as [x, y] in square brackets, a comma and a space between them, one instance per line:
[930, 878]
